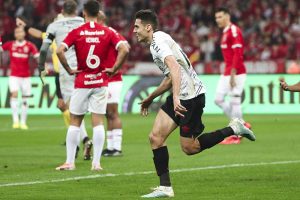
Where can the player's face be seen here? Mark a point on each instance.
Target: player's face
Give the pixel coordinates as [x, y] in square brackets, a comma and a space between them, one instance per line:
[19, 34]
[222, 19]
[141, 31]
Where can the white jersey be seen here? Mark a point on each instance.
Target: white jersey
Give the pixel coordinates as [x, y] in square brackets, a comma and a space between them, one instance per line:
[162, 46]
[58, 30]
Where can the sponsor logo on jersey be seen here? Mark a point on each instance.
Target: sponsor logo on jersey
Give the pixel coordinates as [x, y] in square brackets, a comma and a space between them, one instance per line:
[86, 32]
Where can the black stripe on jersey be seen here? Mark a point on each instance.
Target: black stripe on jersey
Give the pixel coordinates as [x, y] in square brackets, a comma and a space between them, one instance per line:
[185, 57]
[50, 36]
[199, 89]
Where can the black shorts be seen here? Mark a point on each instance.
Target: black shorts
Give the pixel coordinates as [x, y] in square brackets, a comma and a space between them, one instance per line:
[191, 124]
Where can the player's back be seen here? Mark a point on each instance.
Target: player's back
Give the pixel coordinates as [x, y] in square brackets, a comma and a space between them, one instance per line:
[60, 29]
[91, 42]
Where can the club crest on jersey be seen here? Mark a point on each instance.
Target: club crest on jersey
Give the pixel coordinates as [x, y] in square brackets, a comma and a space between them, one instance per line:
[26, 49]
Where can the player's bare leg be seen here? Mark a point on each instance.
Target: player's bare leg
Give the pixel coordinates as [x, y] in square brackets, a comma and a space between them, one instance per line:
[162, 128]
[98, 140]
[114, 131]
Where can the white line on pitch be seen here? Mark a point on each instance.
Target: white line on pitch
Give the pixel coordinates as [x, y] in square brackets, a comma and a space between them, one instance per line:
[150, 172]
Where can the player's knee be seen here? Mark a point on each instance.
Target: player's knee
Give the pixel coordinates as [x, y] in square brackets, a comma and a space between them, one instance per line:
[111, 115]
[189, 149]
[14, 94]
[155, 139]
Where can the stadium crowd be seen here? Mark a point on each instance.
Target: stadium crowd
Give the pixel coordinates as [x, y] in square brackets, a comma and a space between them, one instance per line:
[271, 28]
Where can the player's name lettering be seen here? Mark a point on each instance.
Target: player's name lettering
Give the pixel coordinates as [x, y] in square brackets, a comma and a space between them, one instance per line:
[92, 40]
[19, 55]
[92, 32]
[93, 82]
[155, 47]
[92, 76]
[223, 46]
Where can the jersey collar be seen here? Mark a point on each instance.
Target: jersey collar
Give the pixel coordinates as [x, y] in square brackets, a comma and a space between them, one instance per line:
[226, 28]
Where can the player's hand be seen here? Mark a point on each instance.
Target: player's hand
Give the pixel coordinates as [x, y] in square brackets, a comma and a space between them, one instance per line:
[43, 74]
[283, 84]
[145, 105]
[20, 22]
[178, 108]
[109, 71]
[232, 82]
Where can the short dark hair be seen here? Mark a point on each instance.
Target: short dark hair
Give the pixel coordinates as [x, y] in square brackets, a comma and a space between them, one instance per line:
[148, 16]
[223, 9]
[92, 8]
[70, 6]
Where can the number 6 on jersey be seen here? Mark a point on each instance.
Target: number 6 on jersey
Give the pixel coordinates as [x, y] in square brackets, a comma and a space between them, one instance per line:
[91, 57]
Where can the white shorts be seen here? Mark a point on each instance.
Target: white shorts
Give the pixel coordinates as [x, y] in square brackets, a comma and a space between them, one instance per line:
[66, 86]
[114, 92]
[20, 83]
[93, 100]
[224, 87]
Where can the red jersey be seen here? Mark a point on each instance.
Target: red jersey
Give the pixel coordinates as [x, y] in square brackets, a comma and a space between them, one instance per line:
[112, 56]
[232, 45]
[91, 42]
[19, 53]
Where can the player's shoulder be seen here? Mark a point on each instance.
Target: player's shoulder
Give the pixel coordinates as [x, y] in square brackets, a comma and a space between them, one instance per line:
[161, 36]
[28, 43]
[235, 30]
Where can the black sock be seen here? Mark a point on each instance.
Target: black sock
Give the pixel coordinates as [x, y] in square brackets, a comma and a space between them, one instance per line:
[85, 140]
[209, 140]
[161, 162]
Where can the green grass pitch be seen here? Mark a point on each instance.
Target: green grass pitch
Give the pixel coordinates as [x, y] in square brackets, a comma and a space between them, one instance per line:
[266, 169]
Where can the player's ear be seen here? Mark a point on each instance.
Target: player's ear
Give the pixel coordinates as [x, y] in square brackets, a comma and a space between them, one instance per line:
[148, 27]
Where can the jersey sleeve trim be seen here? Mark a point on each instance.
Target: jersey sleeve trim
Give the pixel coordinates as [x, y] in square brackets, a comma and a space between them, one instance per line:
[120, 42]
[36, 55]
[237, 46]
[65, 45]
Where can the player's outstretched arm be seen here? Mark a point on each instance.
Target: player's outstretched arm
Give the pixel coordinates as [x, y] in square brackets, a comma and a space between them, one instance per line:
[292, 88]
[123, 51]
[175, 72]
[32, 31]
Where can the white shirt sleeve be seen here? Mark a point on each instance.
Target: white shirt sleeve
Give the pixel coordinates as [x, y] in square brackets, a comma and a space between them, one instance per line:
[50, 33]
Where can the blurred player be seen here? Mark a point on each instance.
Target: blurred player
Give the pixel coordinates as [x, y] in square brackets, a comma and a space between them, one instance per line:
[90, 42]
[114, 125]
[291, 88]
[183, 108]
[1, 51]
[42, 35]
[19, 80]
[57, 31]
[232, 81]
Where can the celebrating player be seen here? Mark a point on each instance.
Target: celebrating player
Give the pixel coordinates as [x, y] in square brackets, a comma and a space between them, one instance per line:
[183, 108]
[232, 81]
[19, 80]
[90, 42]
[114, 125]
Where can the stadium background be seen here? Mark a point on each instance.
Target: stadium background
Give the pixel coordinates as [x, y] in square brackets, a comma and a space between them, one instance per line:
[266, 169]
[271, 29]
